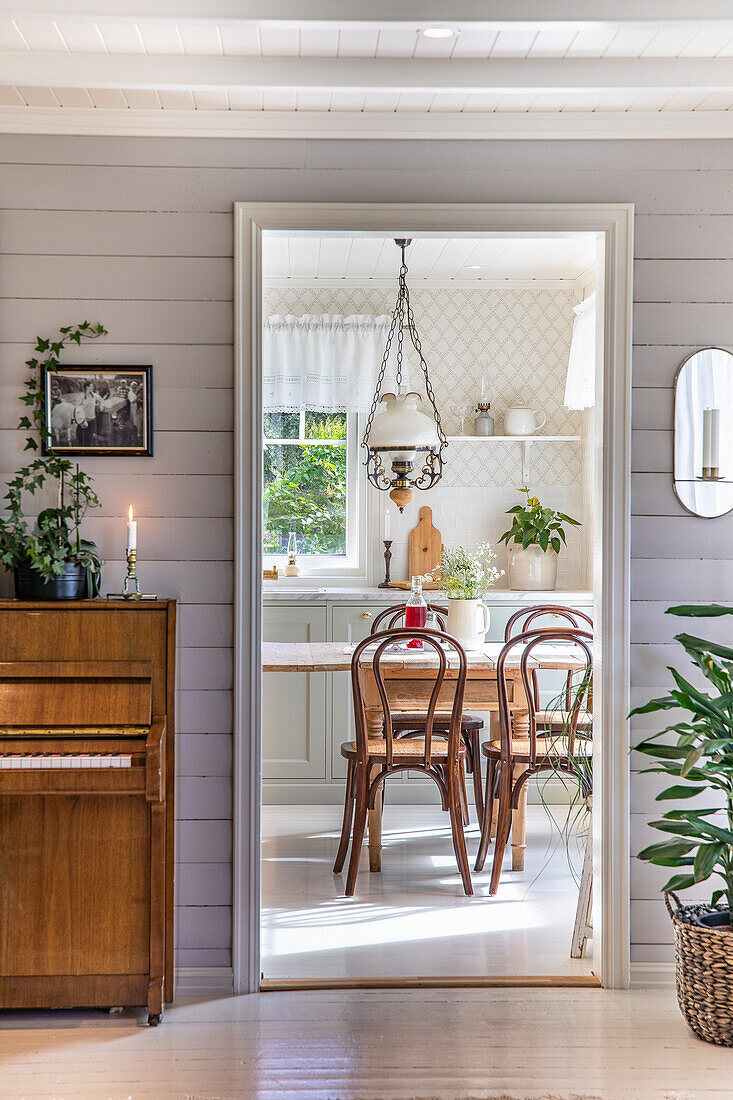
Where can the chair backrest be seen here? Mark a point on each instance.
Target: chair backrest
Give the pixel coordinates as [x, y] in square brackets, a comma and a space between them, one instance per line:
[448, 688]
[529, 615]
[396, 614]
[522, 646]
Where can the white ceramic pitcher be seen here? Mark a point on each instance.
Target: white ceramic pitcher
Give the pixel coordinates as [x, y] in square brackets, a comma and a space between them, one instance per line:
[523, 421]
[468, 621]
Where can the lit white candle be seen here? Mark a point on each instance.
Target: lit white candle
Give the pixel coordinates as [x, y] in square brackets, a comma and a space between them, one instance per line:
[711, 438]
[131, 531]
[387, 518]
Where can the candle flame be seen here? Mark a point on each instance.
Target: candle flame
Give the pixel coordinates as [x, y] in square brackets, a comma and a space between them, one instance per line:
[129, 513]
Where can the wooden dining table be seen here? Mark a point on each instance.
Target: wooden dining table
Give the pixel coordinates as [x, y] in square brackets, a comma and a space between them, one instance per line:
[409, 676]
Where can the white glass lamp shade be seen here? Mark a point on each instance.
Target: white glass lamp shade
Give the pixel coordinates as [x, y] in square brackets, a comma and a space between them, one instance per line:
[402, 425]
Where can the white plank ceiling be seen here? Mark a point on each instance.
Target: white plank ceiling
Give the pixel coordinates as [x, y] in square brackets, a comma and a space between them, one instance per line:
[61, 65]
[460, 261]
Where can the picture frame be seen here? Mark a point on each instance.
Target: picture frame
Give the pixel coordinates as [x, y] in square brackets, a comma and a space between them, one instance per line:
[98, 410]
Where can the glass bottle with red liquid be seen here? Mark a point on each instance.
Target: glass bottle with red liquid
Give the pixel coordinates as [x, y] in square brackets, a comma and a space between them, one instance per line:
[416, 611]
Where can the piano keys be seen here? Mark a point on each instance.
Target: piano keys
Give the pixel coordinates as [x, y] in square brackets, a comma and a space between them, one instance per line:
[9, 761]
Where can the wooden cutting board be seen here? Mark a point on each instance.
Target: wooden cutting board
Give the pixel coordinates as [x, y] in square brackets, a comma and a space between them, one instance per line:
[426, 546]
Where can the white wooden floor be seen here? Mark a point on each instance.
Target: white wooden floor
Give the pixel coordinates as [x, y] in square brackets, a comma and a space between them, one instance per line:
[429, 1044]
[413, 919]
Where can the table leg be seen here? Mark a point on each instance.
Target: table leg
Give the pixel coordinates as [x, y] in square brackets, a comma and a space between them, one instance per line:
[519, 816]
[375, 728]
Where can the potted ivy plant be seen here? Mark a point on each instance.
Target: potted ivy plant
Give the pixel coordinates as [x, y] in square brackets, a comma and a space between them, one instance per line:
[465, 578]
[697, 752]
[49, 558]
[534, 540]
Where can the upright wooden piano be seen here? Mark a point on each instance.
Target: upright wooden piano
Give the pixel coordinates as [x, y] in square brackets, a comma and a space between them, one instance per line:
[86, 804]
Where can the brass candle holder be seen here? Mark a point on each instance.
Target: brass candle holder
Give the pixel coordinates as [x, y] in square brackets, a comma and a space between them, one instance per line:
[131, 583]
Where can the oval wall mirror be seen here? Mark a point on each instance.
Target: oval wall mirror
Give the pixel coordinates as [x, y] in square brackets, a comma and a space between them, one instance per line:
[703, 433]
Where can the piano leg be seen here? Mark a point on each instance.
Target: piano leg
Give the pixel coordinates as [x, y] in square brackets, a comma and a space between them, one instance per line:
[157, 913]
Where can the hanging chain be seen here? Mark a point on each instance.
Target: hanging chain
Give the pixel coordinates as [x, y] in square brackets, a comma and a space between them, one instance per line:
[433, 465]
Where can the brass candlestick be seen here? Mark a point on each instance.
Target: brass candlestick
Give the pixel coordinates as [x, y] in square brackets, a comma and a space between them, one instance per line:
[131, 583]
[386, 583]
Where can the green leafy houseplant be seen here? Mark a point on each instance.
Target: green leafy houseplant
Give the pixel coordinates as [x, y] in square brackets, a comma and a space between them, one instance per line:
[47, 545]
[466, 576]
[534, 525]
[699, 757]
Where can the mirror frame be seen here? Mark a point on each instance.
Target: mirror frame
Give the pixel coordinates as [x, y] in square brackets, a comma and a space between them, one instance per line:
[685, 361]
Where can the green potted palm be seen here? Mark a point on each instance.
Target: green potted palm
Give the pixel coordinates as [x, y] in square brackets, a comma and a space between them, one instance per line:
[534, 541]
[47, 555]
[696, 751]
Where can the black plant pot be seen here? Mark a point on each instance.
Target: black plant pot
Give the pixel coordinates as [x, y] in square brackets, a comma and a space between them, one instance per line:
[719, 918]
[69, 585]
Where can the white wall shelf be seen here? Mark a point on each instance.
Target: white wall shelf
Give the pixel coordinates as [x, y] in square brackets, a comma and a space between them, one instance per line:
[513, 438]
[525, 440]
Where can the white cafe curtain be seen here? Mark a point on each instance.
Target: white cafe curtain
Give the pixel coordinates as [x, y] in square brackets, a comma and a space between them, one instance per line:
[580, 385]
[321, 362]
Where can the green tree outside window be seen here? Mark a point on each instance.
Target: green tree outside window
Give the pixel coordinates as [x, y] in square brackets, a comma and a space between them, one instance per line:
[305, 480]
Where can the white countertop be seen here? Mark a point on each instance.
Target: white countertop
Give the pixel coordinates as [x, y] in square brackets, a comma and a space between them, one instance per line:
[281, 590]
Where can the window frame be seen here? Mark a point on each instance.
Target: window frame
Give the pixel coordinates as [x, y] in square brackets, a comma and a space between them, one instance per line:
[353, 565]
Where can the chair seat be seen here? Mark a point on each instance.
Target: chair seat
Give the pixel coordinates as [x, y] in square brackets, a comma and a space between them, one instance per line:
[403, 749]
[562, 718]
[470, 723]
[548, 748]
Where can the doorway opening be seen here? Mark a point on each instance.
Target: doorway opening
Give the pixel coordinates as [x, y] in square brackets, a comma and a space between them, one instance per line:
[496, 310]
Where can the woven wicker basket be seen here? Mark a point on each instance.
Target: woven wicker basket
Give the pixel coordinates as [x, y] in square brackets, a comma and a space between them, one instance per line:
[704, 973]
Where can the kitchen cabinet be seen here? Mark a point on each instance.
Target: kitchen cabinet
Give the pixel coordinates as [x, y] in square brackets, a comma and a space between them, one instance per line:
[294, 704]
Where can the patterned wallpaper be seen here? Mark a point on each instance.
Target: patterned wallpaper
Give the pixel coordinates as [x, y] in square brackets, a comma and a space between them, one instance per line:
[518, 338]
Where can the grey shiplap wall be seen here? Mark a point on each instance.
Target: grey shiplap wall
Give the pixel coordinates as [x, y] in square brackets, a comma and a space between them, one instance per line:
[138, 233]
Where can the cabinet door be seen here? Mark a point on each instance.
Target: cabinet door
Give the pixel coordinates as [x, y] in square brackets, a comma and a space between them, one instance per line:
[294, 712]
[350, 623]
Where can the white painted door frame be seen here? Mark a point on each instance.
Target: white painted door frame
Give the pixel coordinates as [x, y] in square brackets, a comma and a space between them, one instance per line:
[614, 225]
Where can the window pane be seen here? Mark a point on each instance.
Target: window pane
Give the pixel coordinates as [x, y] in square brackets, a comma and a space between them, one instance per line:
[281, 425]
[305, 492]
[320, 425]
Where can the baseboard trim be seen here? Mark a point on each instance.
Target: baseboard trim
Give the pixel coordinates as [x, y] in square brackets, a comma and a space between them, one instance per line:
[204, 981]
[539, 981]
[652, 974]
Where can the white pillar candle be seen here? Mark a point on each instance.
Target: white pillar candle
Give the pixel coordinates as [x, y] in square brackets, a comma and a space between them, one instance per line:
[131, 531]
[387, 519]
[711, 438]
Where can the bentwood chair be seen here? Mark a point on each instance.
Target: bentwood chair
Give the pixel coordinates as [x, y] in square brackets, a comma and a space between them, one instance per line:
[371, 761]
[529, 617]
[512, 760]
[471, 724]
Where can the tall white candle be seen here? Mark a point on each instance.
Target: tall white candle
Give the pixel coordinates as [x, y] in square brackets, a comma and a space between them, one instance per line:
[387, 519]
[131, 531]
[711, 438]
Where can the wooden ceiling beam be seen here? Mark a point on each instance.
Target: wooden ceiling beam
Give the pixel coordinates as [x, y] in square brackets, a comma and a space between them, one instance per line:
[499, 75]
[415, 13]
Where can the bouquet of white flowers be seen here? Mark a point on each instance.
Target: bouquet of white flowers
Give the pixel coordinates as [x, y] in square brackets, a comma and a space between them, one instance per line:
[466, 576]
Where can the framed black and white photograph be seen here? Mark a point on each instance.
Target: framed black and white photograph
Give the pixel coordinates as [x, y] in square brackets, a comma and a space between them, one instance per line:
[99, 410]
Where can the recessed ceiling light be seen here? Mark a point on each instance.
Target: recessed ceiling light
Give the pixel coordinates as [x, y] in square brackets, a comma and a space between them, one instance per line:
[474, 267]
[438, 32]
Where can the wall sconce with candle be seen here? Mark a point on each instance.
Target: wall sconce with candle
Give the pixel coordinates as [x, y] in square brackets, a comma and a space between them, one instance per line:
[703, 433]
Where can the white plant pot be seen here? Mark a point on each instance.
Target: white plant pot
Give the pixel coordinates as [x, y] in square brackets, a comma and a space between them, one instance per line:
[532, 569]
[468, 622]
